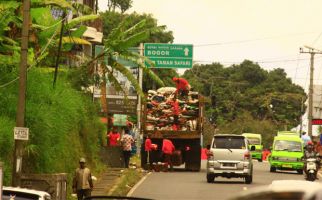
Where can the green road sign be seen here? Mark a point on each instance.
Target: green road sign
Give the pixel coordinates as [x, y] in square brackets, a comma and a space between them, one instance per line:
[169, 55]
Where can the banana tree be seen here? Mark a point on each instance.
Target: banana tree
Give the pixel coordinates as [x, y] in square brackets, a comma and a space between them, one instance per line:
[117, 45]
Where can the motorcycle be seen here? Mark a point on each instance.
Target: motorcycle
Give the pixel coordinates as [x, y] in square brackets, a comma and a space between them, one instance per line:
[311, 169]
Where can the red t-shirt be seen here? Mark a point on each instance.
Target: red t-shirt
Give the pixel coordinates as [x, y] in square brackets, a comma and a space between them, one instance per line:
[113, 138]
[182, 84]
[148, 144]
[167, 146]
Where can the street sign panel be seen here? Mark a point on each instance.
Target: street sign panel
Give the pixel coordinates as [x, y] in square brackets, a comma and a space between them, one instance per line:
[118, 105]
[21, 133]
[169, 55]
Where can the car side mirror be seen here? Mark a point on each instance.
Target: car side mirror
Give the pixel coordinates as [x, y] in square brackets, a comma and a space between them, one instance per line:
[252, 148]
[208, 147]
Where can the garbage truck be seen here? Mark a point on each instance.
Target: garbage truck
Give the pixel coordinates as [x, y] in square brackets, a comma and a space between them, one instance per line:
[185, 129]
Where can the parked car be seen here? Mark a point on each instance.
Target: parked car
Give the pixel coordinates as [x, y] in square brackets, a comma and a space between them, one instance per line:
[229, 156]
[283, 189]
[16, 193]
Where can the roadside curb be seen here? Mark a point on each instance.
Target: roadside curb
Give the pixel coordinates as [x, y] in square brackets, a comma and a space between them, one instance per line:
[129, 194]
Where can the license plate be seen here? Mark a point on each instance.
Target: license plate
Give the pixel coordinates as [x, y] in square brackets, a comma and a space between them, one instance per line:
[287, 166]
[228, 164]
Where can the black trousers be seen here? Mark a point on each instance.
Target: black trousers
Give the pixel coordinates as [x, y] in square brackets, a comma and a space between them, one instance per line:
[127, 155]
[81, 194]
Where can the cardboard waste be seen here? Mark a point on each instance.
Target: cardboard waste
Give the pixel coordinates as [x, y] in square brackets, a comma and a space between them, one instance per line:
[160, 114]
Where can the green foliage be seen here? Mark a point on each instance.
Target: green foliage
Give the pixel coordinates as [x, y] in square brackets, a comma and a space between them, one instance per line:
[63, 125]
[7, 144]
[245, 123]
[123, 5]
[157, 34]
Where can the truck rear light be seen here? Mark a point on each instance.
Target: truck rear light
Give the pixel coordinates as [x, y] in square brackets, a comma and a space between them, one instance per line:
[210, 154]
[247, 155]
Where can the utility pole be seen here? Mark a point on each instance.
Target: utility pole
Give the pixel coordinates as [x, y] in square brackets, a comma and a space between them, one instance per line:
[20, 118]
[59, 48]
[301, 120]
[312, 51]
[139, 106]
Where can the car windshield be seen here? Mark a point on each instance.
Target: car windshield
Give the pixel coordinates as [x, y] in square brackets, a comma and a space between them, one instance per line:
[229, 143]
[254, 141]
[282, 145]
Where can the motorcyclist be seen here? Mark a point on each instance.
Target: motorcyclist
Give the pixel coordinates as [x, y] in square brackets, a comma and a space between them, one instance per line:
[310, 153]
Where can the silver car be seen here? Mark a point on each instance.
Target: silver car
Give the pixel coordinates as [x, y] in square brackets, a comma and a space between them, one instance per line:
[229, 156]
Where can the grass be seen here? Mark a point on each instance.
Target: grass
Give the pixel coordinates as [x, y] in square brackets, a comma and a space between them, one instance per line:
[126, 182]
[128, 179]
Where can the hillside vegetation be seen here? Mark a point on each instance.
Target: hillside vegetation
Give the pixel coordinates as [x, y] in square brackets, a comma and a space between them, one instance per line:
[63, 125]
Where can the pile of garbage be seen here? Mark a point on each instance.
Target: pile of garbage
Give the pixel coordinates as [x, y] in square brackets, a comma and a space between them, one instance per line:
[160, 114]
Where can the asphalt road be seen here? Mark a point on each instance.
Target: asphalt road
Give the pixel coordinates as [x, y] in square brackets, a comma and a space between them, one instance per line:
[193, 185]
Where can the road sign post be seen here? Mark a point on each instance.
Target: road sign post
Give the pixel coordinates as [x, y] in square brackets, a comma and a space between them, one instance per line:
[169, 55]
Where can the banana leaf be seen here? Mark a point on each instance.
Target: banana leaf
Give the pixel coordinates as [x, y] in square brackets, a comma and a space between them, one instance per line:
[72, 23]
[74, 40]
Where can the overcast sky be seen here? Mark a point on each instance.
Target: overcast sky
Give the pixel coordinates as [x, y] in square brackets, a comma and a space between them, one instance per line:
[269, 32]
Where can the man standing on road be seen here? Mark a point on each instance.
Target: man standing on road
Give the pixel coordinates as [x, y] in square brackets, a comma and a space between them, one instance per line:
[167, 150]
[127, 141]
[82, 181]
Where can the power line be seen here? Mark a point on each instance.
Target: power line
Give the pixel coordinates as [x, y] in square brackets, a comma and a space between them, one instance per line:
[251, 40]
[260, 61]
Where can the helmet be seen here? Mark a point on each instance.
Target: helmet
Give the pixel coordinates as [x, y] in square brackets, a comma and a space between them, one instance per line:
[309, 143]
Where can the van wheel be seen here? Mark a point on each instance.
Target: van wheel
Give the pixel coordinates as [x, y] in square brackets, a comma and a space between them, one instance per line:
[300, 171]
[248, 179]
[272, 169]
[210, 178]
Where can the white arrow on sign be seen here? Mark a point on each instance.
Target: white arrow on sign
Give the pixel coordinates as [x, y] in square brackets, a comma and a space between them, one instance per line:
[186, 51]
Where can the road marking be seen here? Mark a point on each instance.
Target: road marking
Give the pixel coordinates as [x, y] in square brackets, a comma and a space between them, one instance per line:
[137, 185]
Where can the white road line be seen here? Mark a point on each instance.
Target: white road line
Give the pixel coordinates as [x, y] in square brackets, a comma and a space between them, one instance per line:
[137, 185]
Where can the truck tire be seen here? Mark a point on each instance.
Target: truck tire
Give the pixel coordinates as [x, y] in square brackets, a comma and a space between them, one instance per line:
[193, 157]
[272, 169]
[144, 158]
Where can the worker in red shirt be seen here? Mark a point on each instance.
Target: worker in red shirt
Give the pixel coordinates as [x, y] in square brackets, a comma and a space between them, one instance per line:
[182, 86]
[148, 148]
[167, 150]
[114, 137]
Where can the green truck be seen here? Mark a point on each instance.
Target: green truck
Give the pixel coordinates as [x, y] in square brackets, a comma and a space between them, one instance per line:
[287, 153]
